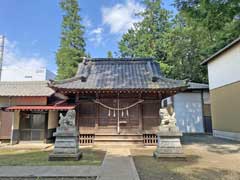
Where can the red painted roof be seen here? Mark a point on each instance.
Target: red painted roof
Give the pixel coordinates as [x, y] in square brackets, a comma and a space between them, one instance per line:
[40, 108]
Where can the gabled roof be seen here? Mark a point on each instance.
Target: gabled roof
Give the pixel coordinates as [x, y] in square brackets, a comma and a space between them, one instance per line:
[118, 73]
[25, 88]
[220, 51]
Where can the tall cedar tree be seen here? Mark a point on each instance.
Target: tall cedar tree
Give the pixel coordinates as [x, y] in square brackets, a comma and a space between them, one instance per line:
[72, 47]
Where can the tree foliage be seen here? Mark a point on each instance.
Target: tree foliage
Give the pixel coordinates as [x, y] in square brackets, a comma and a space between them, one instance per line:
[72, 45]
[144, 40]
[179, 44]
[109, 54]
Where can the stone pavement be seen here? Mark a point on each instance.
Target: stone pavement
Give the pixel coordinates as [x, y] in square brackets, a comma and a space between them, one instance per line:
[118, 165]
[49, 171]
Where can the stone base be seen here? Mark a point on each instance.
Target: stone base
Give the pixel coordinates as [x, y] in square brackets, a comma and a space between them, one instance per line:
[65, 157]
[169, 145]
[168, 156]
[66, 147]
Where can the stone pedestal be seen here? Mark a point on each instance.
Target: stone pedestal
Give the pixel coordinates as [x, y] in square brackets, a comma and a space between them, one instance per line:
[66, 145]
[169, 145]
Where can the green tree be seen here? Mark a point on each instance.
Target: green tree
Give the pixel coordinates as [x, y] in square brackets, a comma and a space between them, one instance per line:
[183, 52]
[219, 20]
[145, 39]
[72, 45]
[109, 54]
[200, 28]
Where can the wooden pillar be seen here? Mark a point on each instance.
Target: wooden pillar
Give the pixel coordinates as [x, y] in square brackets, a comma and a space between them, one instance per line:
[52, 124]
[140, 110]
[97, 119]
[15, 127]
[77, 110]
[97, 108]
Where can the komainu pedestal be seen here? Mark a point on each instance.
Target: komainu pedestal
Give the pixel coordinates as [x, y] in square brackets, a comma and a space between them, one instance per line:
[169, 144]
[66, 145]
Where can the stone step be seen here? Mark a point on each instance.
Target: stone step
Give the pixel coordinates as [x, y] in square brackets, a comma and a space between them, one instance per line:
[118, 140]
[114, 131]
[118, 144]
[111, 140]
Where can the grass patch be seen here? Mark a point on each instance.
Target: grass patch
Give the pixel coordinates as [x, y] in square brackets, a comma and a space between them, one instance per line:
[40, 158]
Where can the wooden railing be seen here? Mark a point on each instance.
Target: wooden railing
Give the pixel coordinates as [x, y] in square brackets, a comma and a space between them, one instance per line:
[86, 139]
[150, 139]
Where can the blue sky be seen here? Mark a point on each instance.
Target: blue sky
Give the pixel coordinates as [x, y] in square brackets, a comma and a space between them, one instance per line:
[33, 28]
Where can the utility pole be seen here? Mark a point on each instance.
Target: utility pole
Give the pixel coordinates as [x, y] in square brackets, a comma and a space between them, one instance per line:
[1, 53]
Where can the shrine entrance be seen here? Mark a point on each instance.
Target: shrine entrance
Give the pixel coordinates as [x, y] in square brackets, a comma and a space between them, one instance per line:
[120, 115]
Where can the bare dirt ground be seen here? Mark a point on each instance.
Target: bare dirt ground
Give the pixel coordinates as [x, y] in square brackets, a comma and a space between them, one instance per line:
[208, 158]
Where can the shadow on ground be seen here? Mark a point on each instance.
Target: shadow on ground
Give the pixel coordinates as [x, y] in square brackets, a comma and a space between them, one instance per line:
[151, 169]
[207, 158]
[213, 144]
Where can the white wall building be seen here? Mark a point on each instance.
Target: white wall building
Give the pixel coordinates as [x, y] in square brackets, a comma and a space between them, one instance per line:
[192, 109]
[21, 74]
[224, 85]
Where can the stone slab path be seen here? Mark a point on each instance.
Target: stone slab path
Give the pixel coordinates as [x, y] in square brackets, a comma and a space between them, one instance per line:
[118, 165]
[49, 171]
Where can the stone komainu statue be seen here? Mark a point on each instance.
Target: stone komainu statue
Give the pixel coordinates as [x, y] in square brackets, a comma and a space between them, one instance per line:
[166, 118]
[68, 120]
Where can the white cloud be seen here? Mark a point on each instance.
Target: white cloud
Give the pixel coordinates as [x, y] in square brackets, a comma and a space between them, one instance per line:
[86, 22]
[34, 42]
[121, 17]
[14, 58]
[96, 35]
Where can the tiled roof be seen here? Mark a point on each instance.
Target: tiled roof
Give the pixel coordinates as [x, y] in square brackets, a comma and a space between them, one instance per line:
[193, 85]
[25, 88]
[120, 73]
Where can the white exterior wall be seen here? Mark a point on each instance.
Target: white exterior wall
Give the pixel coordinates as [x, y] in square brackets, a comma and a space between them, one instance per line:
[225, 69]
[17, 74]
[188, 110]
[50, 75]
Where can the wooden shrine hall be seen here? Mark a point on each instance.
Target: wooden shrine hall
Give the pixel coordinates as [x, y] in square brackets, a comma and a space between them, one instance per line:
[117, 100]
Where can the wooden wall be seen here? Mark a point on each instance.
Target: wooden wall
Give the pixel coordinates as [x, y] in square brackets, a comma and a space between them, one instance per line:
[92, 116]
[150, 114]
[87, 115]
[5, 124]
